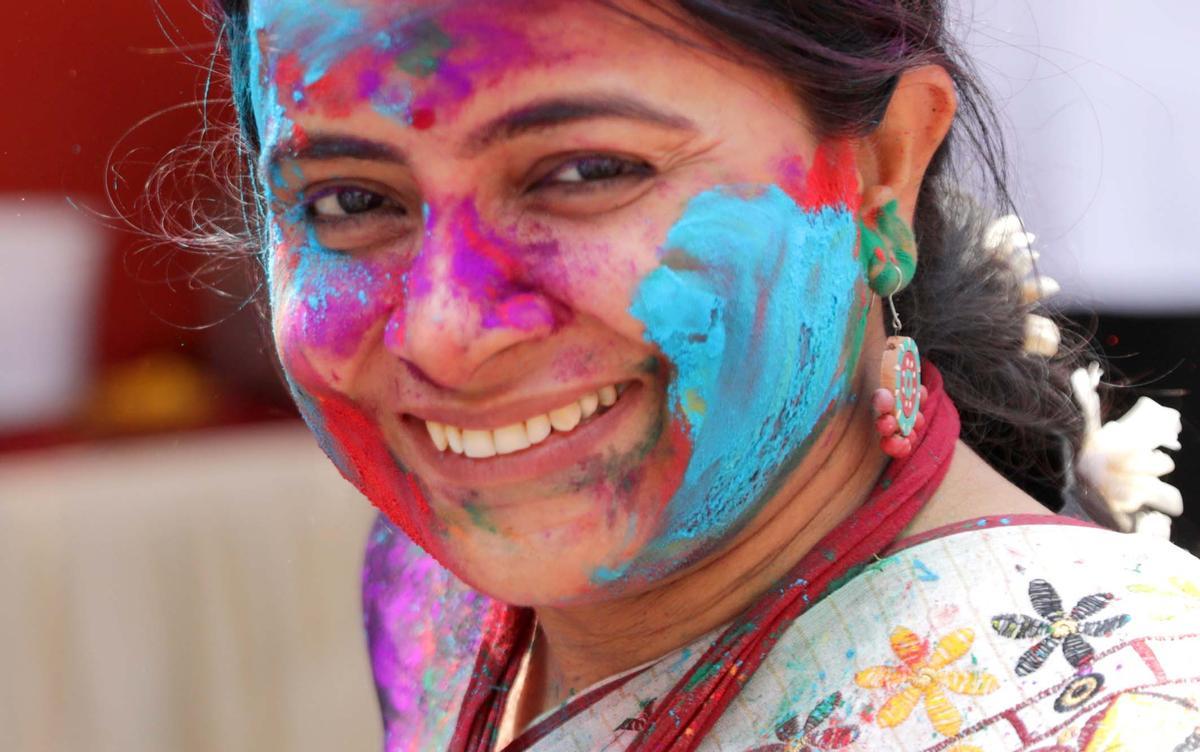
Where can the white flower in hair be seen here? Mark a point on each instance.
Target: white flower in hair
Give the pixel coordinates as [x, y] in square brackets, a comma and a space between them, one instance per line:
[1007, 239]
[1121, 459]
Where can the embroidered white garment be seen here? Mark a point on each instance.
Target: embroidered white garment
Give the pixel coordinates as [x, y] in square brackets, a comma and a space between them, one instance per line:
[1006, 637]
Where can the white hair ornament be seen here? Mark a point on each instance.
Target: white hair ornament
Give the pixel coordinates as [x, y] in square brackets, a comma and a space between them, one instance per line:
[1123, 461]
[1007, 239]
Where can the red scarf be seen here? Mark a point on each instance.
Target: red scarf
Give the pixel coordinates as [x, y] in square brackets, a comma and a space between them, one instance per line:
[681, 720]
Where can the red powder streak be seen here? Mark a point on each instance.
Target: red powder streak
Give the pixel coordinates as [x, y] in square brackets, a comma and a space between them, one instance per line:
[831, 181]
[339, 91]
[289, 76]
[394, 492]
[679, 445]
[493, 268]
[423, 119]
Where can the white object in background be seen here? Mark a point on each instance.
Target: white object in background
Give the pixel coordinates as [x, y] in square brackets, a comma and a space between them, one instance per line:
[50, 259]
[1007, 239]
[1121, 459]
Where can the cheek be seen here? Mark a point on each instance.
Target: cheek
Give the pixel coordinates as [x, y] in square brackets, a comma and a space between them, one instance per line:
[598, 274]
[324, 306]
[756, 306]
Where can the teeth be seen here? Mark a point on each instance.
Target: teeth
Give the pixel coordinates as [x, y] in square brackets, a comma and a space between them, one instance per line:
[511, 439]
[538, 428]
[454, 439]
[437, 432]
[588, 404]
[480, 444]
[566, 417]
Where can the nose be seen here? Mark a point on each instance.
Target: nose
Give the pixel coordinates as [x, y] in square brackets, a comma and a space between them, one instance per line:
[468, 299]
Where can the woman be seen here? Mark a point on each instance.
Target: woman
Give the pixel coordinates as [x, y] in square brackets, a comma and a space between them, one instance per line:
[590, 299]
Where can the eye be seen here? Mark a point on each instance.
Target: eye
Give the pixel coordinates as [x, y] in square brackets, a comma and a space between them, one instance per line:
[594, 169]
[354, 218]
[345, 202]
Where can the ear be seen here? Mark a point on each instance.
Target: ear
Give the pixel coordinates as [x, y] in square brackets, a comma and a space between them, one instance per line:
[893, 159]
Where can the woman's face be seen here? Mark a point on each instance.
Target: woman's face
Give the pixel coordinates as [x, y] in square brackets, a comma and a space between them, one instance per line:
[566, 298]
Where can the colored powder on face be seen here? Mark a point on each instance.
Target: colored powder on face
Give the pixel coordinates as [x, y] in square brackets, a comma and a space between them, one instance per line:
[827, 183]
[341, 56]
[755, 322]
[361, 453]
[423, 119]
[488, 270]
[336, 299]
[315, 32]
[424, 54]
[483, 52]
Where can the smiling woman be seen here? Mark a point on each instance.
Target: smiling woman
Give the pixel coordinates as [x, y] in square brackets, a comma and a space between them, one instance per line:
[588, 298]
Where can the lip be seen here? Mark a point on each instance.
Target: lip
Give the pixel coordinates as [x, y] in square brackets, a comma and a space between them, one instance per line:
[558, 452]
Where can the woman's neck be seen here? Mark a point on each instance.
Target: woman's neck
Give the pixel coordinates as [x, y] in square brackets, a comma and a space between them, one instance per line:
[581, 645]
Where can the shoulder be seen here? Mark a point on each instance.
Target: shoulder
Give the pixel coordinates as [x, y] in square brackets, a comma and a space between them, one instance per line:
[1013, 636]
[423, 630]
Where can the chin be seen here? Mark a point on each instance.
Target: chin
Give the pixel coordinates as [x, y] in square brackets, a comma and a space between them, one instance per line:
[552, 552]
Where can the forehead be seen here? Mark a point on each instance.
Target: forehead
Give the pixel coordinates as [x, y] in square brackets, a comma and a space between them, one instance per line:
[452, 43]
[335, 57]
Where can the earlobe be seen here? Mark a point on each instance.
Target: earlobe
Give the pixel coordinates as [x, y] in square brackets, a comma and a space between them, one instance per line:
[887, 247]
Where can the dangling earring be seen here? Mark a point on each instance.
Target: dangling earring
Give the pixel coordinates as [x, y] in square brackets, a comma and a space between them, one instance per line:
[897, 401]
[887, 248]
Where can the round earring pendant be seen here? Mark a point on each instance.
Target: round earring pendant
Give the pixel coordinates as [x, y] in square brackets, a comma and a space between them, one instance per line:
[900, 373]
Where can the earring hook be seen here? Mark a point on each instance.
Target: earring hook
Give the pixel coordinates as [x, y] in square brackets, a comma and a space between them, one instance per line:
[896, 325]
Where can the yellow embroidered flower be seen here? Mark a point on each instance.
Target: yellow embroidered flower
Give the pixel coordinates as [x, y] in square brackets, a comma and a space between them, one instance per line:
[923, 674]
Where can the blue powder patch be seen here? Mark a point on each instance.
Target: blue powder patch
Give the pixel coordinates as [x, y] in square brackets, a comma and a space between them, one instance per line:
[319, 32]
[751, 306]
[606, 574]
[328, 275]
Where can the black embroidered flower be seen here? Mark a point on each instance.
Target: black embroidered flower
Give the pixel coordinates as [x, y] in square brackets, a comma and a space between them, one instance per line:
[794, 738]
[1057, 627]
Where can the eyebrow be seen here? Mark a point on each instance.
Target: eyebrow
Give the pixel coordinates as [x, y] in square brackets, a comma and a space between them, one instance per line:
[538, 115]
[320, 146]
[558, 111]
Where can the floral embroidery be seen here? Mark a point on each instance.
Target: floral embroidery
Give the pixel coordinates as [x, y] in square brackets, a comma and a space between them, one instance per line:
[923, 674]
[806, 739]
[1057, 626]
